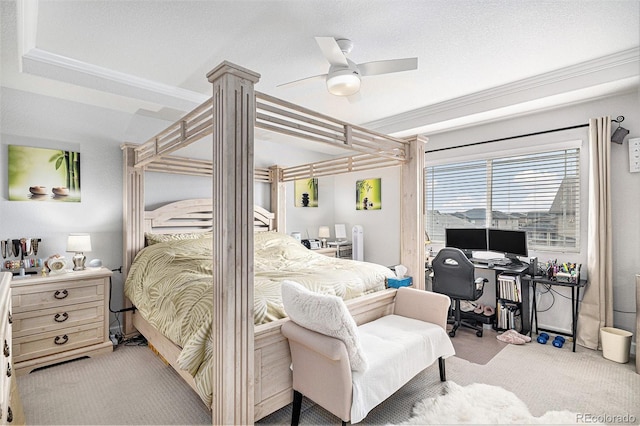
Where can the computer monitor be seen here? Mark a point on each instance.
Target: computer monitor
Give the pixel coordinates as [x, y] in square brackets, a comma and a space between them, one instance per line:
[510, 242]
[466, 239]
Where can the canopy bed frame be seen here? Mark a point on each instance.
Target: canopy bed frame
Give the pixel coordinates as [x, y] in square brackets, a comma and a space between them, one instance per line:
[251, 376]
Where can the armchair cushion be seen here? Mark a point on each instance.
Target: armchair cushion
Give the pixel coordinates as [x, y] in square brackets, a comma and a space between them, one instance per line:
[398, 348]
[324, 314]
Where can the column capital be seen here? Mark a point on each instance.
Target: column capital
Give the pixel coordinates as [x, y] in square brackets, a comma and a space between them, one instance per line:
[227, 67]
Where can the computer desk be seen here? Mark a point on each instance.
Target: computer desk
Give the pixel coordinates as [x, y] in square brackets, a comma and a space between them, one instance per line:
[498, 269]
[575, 301]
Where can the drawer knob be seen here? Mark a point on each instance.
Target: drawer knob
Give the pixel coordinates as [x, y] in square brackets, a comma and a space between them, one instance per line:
[10, 318]
[61, 340]
[61, 294]
[6, 349]
[8, 369]
[61, 317]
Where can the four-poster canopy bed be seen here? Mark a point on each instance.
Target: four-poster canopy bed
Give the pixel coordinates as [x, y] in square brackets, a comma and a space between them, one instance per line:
[250, 373]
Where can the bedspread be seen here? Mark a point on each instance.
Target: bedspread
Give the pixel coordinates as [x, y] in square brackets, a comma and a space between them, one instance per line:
[170, 284]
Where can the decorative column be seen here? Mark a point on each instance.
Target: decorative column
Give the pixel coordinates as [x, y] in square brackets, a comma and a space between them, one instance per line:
[234, 110]
[132, 217]
[412, 253]
[278, 199]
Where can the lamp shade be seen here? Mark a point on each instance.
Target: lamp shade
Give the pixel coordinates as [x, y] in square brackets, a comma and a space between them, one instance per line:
[78, 243]
[324, 232]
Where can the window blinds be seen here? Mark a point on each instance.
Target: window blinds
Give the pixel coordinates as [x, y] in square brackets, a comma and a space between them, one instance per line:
[538, 193]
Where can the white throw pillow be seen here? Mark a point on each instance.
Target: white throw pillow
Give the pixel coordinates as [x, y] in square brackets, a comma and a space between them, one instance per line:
[324, 314]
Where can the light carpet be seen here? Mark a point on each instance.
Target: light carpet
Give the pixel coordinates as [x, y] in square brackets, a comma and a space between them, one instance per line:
[129, 386]
[481, 404]
[478, 350]
[133, 386]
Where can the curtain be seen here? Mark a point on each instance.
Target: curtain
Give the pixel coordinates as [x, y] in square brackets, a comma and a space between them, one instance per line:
[596, 310]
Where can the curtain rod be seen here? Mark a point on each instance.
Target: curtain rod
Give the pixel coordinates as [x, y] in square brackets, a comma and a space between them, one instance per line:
[512, 137]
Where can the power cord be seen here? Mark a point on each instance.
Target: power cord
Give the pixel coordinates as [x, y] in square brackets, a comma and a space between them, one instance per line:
[119, 336]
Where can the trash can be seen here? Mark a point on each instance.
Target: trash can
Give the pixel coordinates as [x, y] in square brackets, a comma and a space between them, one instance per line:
[615, 344]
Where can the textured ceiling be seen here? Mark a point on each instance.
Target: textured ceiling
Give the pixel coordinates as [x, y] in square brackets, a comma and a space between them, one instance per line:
[464, 47]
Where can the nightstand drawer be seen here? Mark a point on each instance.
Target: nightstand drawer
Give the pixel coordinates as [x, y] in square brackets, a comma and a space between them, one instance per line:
[39, 345]
[56, 294]
[40, 321]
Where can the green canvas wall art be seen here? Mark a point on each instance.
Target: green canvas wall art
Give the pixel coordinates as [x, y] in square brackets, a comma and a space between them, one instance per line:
[40, 174]
[369, 194]
[306, 192]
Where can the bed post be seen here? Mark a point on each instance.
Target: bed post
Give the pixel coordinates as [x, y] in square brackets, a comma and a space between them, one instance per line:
[234, 112]
[278, 199]
[412, 215]
[132, 217]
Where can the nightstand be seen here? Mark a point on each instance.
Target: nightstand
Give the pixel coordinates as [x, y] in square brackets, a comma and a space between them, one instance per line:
[345, 248]
[327, 251]
[60, 317]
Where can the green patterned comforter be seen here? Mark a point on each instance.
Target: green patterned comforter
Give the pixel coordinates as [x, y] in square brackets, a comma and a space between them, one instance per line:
[170, 284]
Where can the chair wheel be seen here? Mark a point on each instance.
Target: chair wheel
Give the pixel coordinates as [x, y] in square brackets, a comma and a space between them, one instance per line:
[452, 333]
[479, 333]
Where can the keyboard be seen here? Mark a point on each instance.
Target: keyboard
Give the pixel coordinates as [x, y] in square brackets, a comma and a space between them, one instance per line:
[501, 261]
[481, 261]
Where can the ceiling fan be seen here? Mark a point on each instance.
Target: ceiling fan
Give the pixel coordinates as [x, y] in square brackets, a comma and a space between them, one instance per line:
[344, 75]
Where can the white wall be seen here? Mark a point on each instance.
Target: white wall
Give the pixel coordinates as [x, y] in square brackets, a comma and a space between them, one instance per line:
[625, 191]
[381, 227]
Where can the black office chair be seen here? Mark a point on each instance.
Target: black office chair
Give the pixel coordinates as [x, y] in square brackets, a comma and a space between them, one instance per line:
[454, 276]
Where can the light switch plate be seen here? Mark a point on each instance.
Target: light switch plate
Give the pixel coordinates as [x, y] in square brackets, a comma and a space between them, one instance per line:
[634, 155]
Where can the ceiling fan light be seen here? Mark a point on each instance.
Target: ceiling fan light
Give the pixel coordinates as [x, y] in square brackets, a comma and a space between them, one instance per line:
[343, 83]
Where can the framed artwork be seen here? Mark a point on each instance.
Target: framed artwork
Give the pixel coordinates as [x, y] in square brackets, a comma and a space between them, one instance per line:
[369, 194]
[40, 174]
[306, 192]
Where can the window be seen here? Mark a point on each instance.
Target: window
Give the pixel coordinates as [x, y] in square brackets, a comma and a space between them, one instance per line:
[538, 193]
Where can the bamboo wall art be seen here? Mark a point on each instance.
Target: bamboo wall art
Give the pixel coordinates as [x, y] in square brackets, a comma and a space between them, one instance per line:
[306, 192]
[41, 174]
[369, 194]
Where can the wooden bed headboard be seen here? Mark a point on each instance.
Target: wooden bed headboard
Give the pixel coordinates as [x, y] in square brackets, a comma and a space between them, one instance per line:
[194, 215]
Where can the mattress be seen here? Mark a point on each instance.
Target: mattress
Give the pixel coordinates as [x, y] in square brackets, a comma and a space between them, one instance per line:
[170, 283]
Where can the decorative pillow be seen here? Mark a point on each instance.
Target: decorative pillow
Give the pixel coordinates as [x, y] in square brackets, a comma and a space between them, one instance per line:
[163, 238]
[325, 314]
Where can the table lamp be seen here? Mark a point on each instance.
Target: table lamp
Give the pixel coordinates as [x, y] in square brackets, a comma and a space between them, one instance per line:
[78, 243]
[323, 234]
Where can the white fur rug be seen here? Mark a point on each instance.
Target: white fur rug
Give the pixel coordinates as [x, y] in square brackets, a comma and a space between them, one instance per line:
[480, 404]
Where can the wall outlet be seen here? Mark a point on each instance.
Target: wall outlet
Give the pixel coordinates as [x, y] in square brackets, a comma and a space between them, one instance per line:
[634, 155]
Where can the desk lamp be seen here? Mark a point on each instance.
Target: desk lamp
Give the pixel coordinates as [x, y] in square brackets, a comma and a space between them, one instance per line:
[323, 234]
[78, 243]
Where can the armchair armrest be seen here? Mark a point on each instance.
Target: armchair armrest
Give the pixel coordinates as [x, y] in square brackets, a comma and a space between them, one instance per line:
[323, 345]
[322, 370]
[422, 305]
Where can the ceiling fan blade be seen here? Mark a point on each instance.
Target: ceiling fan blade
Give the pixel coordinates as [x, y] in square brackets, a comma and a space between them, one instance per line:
[332, 51]
[324, 76]
[389, 66]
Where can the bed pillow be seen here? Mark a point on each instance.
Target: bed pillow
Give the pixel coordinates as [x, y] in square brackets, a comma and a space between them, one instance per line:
[325, 314]
[163, 238]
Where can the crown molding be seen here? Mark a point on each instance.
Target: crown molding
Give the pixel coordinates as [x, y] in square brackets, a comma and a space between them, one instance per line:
[36, 61]
[58, 67]
[597, 72]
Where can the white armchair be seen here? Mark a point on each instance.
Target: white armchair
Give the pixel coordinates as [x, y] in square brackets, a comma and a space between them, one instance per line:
[347, 369]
